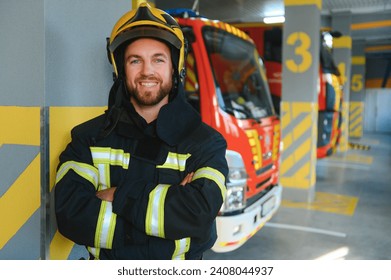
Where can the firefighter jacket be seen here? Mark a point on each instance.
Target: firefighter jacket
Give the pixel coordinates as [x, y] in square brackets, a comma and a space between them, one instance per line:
[152, 216]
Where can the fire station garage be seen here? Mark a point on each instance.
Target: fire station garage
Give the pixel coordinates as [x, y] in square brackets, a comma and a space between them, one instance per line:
[336, 203]
[300, 89]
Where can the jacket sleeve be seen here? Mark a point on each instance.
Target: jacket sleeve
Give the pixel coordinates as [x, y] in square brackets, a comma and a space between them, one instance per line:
[81, 216]
[175, 211]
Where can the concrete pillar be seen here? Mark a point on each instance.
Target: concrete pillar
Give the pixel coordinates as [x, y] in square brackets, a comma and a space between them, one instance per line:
[54, 74]
[78, 77]
[342, 48]
[299, 105]
[357, 90]
[21, 99]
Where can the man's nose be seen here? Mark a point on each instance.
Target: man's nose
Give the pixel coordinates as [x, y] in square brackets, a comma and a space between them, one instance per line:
[147, 68]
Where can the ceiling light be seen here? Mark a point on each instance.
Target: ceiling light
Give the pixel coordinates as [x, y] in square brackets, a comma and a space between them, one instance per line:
[277, 19]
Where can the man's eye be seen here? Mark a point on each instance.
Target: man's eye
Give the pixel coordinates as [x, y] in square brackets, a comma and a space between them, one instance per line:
[134, 61]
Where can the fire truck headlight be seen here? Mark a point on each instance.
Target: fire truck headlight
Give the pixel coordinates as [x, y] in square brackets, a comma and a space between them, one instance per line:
[236, 183]
[236, 198]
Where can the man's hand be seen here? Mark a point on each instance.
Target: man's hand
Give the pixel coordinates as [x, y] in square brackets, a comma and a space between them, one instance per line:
[187, 179]
[107, 194]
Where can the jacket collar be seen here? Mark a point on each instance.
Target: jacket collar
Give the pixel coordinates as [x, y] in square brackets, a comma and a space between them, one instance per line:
[175, 120]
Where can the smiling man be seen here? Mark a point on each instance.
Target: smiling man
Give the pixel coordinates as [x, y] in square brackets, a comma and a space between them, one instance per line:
[146, 179]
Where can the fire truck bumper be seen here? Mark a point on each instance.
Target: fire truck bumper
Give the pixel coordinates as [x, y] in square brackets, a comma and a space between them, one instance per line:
[233, 231]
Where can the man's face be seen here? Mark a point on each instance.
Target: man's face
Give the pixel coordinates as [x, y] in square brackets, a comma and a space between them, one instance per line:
[148, 70]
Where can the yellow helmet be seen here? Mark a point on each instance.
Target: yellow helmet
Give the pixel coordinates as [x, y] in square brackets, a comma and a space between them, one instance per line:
[146, 22]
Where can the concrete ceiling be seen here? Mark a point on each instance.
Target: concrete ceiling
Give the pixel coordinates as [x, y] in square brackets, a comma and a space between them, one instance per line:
[362, 11]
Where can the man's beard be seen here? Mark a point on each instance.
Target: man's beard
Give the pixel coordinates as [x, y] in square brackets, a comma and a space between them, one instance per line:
[148, 98]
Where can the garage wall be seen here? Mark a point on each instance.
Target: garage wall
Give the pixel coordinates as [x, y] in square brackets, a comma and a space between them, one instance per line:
[377, 117]
[54, 74]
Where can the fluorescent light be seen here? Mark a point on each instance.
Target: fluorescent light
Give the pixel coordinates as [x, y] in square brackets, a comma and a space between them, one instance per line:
[277, 19]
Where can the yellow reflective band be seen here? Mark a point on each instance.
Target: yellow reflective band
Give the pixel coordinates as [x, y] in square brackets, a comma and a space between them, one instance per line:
[84, 170]
[154, 220]
[175, 161]
[214, 175]
[105, 227]
[107, 155]
[182, 246]
[94, 251]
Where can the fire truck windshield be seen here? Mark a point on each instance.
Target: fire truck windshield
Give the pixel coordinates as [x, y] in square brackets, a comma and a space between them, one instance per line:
[238, 75]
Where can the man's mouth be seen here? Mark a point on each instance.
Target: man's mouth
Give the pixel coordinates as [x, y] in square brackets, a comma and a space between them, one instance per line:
[148, 84]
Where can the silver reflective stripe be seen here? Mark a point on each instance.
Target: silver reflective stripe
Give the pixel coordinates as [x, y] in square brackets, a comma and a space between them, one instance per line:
[214, 175]
[154, 220]
[105, 228]
[103, 158]
[94, 251]
[88, 172]
[104, 176]
[182, 246]
[175, 161]
[107, 155]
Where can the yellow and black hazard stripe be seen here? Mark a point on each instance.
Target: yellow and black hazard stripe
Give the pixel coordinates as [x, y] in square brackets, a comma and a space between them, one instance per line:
[22, 185]
[229, 28]
[191, 82]
[357, 146]
[343, 141]
[299, 136]
[356, 112]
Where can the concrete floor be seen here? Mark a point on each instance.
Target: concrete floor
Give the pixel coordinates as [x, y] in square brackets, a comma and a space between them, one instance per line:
[349, 219]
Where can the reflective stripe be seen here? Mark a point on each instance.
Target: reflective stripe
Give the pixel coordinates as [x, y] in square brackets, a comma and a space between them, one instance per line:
[103, 158]
[104, 176]
[107, 155]
[105, 227]
[175, 161]
[154, 220]
[94, 251]
[84, 170]
[214, 175]
[182, 246]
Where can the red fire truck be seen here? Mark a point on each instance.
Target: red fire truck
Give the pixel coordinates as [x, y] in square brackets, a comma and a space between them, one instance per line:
[226, 83]
[268, 40]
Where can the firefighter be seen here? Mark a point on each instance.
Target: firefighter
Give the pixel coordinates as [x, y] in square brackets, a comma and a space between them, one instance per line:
[146, 179]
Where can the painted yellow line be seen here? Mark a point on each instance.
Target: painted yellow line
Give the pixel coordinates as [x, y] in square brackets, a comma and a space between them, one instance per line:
[62, 120]
[352, 157]
[378, 48]
[20, 125]
[358, 60]
[327, 202]
[60, 247]
[318, 3]
[356, 158]
[377, 83]
[369, 25]
[343, 42]
[24, 192]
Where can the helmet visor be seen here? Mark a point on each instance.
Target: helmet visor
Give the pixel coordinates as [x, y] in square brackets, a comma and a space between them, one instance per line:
[145, 32]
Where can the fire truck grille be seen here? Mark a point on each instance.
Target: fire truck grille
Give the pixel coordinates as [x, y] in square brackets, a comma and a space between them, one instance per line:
[264, 169]
[259, 195]
[259, 185]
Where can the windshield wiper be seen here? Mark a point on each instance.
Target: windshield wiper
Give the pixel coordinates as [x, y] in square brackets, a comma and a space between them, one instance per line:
[246, 113]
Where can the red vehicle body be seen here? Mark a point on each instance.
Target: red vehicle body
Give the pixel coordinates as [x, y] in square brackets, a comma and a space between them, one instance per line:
[268, 40]
[226, 83]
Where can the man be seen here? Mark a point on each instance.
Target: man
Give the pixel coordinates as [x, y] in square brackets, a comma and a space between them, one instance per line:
[146, 179]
